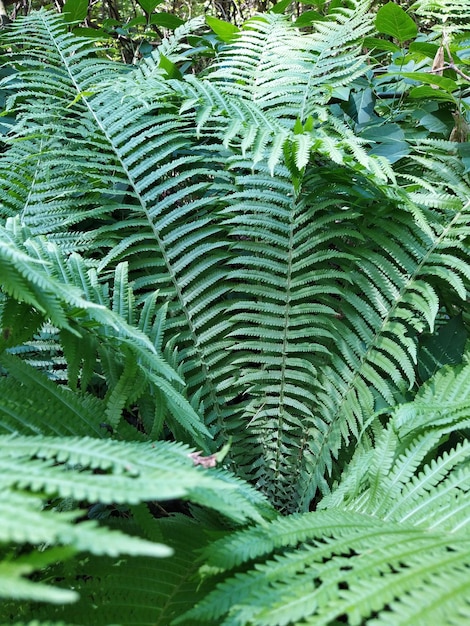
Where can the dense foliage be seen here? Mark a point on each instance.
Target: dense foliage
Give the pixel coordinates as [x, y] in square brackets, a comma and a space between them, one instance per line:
[234, 370]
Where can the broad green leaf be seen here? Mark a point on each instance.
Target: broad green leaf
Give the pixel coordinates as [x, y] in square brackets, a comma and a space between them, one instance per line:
[170, 68]
[341, 93]
[333, 5]
[149, 5]
[298, 127]
[145, 48]
[374, 43]
[166, 20]
[388, 141]
[110, 23]
[427, 93]
[91, 33]
[308, 17]
[223, 30]
[361, 106]
[392, 151]
[423, 48]
[140, 20]
[464, 54]
[434, 124]
[393, 20]
[464, 153]
[75, 10]
[431, 79]
[281, 6]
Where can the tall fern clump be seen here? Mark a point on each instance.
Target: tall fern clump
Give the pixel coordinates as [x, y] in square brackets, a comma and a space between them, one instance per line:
[269, 258]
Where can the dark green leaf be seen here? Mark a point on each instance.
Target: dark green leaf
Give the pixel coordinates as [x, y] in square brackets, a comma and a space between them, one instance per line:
[140, 20]
[149, 5]
[223, 30]
[169, 67]
[464, 151]
[281, 6]
[464, 55]
[393, 20]
[166, 20]
[374, 43]
[360, 107]
[434, 124]
[75, 10]
[334, 4]
[145, 48]
[426, 49]
[307, 18]
[426, 92]
[389, 141]
[442, 82]
[91, 33]
[341, 93]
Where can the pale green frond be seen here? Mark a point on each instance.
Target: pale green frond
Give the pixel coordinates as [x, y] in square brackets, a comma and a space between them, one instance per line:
[142, 364]
[389, 545]
[130, 472]
[13, 586]
[447, 14]
[323, 575]
[297, 283]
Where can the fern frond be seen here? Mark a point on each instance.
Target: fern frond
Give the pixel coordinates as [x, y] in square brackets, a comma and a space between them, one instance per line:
[64, 304]
[85, 469]
[130, 472]
[138, 589]
[383, 548]
[450, 14]
[52, 192]
[298, 270]
[322, 577]
[50, 409]
[144, 140]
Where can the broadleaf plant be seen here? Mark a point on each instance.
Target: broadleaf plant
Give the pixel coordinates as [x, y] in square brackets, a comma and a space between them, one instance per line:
[233, 321]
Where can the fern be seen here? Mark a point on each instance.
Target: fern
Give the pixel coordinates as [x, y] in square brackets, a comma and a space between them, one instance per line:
[220, 258]
[138, 589]
[298, 270]
[449, 13]
[61, 303]
[389, 545]
[129, 473]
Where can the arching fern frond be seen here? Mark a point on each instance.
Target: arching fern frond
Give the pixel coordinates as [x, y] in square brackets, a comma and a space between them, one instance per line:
[298, 271]
[453, 14]
[130, 472]
[390, 545]
[167, 186]
[67, 294]
[138, 589]
[35, 467]
[51, 118]
[333, 294]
